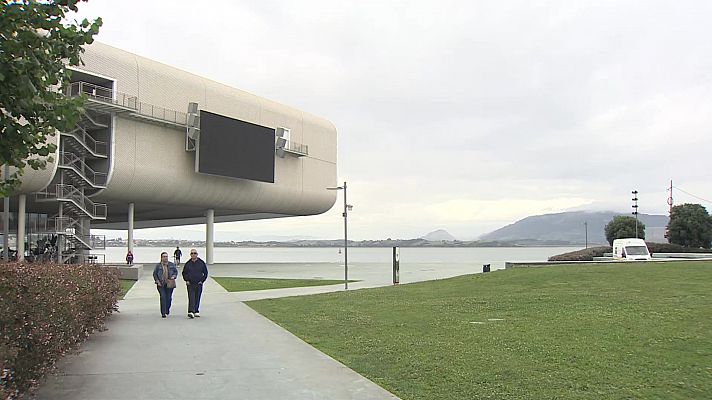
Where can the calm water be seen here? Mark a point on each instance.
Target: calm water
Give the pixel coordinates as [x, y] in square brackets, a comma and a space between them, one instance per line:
[481, 255]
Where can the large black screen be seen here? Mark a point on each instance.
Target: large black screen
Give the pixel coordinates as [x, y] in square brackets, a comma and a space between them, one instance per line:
[234, 148]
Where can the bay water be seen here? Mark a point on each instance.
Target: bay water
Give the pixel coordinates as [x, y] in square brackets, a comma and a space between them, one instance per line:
[381, 255]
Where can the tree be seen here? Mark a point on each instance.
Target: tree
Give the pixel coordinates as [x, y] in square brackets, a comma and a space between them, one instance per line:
[37, 45]
[622, 227]
[690, 226]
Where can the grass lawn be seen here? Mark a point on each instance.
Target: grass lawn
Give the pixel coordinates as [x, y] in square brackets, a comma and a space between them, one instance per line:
[247, 284]
[629, 331]
[126, 284]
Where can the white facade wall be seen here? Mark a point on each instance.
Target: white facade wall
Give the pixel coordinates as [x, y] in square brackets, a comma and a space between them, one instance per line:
[149, 164]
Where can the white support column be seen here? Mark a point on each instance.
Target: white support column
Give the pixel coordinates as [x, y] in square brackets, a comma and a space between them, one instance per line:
[6, 221]
[131, 227]
[21, 201]
[209, 222]
[60, 242]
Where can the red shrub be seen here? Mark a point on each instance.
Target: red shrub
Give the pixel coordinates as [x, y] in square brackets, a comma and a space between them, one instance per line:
[46, 310]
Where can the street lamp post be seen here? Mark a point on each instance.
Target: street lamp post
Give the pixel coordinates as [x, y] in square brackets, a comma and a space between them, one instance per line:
[635, 210]
[347, 207]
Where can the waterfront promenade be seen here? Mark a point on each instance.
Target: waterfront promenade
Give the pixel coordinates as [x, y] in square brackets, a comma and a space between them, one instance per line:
[230, 352]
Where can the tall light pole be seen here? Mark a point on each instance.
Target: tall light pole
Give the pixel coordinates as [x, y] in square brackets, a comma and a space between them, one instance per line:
[585, 226]
[347, 207]
[635, 210]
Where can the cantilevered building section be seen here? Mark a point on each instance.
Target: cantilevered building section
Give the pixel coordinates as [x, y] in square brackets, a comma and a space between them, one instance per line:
[157, 146]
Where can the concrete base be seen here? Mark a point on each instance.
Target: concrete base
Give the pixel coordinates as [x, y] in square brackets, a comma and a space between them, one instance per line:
[132, 272]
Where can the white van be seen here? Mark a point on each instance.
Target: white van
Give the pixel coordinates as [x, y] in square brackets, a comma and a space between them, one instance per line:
[630, 249]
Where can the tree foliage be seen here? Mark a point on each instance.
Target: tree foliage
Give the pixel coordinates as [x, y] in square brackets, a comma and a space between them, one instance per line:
[690, 225]
[37, 44]
[622, 227]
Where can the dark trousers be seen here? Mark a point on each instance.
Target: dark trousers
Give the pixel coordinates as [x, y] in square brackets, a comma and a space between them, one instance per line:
[194, 292]
[166, 298]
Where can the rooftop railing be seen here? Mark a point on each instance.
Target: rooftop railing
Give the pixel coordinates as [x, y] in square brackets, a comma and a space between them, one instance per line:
[123, 100]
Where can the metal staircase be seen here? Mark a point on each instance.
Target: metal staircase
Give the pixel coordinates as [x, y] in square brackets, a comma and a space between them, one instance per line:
[81, 171]
[73, 220]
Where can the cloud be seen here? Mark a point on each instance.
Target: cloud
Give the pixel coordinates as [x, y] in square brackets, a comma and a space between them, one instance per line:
[462, 114]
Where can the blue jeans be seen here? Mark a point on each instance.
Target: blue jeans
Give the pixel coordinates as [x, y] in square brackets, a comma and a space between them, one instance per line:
[194, 292]
[166, 295]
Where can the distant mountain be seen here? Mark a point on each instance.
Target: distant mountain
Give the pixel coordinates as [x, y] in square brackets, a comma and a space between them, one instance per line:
[439, 235]
[569, 227]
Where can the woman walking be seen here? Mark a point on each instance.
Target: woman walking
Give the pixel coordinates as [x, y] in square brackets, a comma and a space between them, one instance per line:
[165, 275]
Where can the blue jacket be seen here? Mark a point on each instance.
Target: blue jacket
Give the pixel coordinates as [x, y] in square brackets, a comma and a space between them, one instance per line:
[158, 272]
[195, 272]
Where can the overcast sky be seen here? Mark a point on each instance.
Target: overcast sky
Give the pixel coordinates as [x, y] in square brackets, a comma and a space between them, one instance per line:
[458, 115]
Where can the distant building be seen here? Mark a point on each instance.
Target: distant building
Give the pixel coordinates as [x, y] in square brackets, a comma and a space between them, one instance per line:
[655, 234]
[158, 146]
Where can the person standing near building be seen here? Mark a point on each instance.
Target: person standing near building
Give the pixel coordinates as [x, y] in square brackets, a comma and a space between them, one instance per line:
[129, 258]
[164, 275]
[195, 272]
[177, 255]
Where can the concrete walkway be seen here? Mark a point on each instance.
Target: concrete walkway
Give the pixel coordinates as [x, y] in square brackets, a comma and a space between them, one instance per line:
[231, 352]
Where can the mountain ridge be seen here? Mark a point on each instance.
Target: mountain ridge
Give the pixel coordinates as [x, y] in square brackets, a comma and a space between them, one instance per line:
[572, 227]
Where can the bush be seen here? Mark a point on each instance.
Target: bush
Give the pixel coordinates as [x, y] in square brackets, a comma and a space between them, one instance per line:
[622, 227]
[588, 254]
[673, 248]
[46, 310]
[582, 255]
[690, 225]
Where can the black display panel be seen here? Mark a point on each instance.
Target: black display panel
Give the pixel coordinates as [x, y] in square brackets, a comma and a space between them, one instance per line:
[233, 148]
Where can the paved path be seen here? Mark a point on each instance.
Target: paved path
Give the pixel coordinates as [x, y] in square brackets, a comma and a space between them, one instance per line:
[231, 352]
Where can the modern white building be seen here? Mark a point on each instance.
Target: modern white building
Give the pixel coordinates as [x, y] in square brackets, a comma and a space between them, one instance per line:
[158, 146]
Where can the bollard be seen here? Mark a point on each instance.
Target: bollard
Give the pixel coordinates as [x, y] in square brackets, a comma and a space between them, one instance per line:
[396, 265]
[485, 268]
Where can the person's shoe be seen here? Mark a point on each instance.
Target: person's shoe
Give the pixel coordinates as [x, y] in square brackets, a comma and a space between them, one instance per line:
[190, 315]
[197, 314]
[163, 315]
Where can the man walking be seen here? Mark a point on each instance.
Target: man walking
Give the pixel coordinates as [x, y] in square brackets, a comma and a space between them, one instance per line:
[195, 272]
[177, 255]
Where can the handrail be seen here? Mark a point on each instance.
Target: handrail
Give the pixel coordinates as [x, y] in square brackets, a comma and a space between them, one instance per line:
[69, 225]
[91, 144]
[71, 160]
[296, 147]
[108, 95]
[69, 192]
[79, 258]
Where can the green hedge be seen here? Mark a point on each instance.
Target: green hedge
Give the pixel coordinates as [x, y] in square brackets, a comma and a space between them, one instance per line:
[46, 310]
[674, 248]
[588, 254]
[582, 255]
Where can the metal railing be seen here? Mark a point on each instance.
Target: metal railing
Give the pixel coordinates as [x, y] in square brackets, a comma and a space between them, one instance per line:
[163, 114]
[296, 147]
[124, 100]
[71, 160]
[68, 225]
[80, 258]
[91, 90]
[74, 229]
[86, 140]
[70, 193]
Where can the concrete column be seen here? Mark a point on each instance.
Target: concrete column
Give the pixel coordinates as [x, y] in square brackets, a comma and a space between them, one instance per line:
[60, 243]
[21, 202]
[209, 222]
[131, 227]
